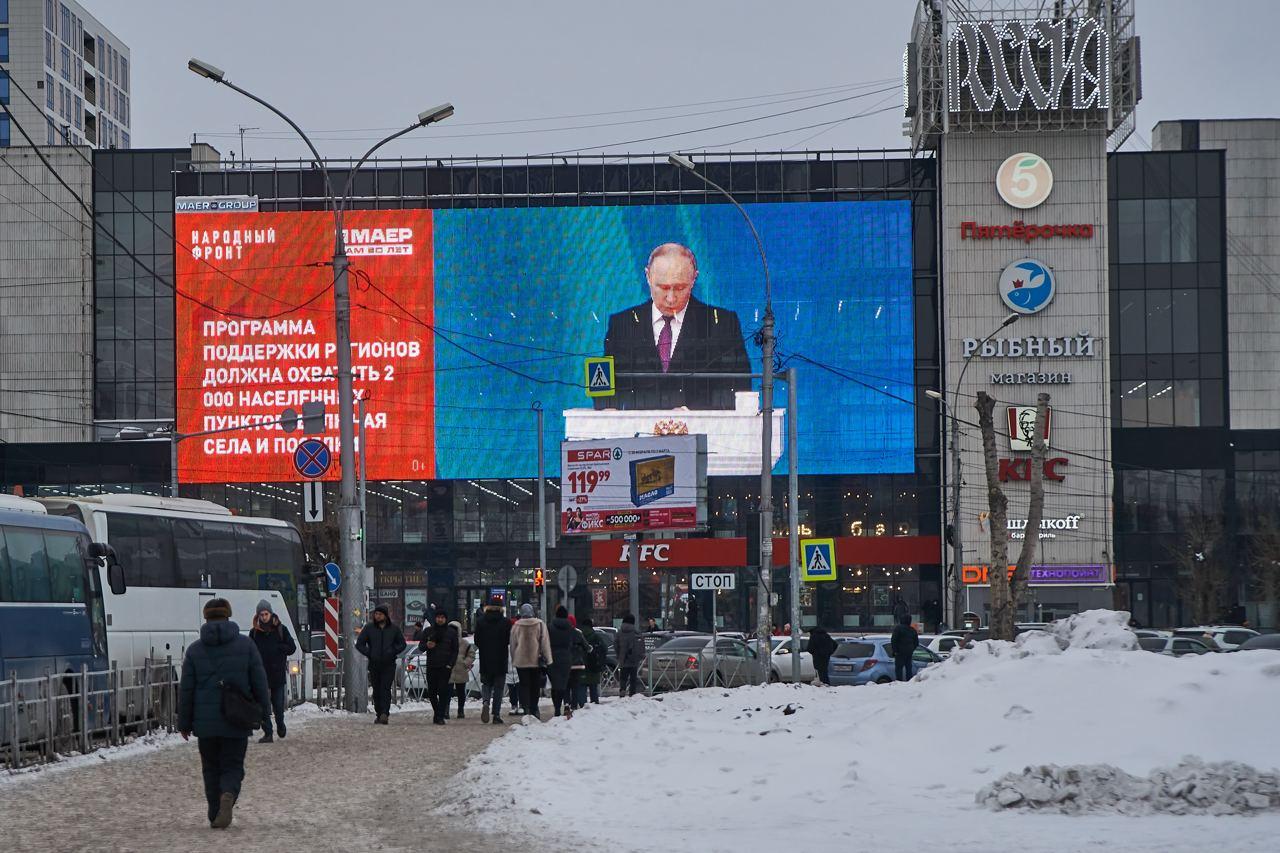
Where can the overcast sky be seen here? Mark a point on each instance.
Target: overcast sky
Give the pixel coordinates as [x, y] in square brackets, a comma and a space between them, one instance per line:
[523, 72]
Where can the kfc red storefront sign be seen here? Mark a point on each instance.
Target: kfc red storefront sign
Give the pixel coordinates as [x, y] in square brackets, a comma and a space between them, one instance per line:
[1020, 469]
[711, 553]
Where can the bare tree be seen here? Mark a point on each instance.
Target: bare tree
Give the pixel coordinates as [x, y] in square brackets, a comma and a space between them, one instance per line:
[1265, 554]
[1008, 590]
[1203, 575]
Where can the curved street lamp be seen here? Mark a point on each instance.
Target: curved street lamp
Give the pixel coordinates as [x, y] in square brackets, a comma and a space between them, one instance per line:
[355, 681]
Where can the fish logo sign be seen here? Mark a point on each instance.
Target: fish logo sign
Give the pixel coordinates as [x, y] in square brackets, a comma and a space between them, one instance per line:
[1027, 286]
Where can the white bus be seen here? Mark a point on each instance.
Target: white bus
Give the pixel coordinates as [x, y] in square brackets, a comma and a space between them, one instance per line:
[178, 553]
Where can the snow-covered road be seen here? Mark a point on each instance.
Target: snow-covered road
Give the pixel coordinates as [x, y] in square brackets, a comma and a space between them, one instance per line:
[336, 783]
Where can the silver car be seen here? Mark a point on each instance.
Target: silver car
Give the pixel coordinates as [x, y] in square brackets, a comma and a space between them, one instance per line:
[699, 661]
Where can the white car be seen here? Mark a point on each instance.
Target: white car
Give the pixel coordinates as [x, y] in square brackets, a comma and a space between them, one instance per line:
[780, 659]
[1226, 638]
[1175, 646]
[942, 645]
[1150, 633]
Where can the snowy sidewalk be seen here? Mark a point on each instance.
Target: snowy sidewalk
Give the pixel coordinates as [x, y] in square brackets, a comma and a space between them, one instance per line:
[335, 783]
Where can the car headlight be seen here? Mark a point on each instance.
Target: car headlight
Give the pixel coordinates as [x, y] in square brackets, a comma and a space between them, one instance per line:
[295, 667]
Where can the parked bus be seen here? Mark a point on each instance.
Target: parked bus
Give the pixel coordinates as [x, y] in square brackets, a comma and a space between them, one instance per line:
[179, 554]
[52, 618]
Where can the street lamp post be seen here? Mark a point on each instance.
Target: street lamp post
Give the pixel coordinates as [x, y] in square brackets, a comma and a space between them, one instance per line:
[957, 551]
[764, 592]
[355, 679]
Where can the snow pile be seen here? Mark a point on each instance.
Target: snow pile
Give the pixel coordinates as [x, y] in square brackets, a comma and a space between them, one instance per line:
[1192, 787]
[1095, 629]
[816, 768]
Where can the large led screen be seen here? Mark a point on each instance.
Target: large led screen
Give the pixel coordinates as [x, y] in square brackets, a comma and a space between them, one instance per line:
[465, 320]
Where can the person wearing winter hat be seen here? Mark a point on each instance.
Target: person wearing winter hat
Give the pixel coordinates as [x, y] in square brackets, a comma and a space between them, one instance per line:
[381, 642]
[530, 651]
[461, 667]
[275, 645]
[440, 644]
[493, 641]
[567, 650]
[220, 656]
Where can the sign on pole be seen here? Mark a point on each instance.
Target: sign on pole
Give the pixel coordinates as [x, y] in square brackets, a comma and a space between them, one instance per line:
[332, 577]
[567, 579]
[312, 458]
[312, 501]
[599, 377]
[330, 632]
[713, 581]
[817, 560]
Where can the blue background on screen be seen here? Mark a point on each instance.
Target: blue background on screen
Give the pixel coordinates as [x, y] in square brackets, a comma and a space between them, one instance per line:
[533, 288]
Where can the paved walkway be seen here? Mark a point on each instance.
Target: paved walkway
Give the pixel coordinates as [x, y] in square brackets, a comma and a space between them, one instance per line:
[336, 783]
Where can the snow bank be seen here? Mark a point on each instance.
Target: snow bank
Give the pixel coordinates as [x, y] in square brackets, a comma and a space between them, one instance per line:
[1192, 787]
[899, 764]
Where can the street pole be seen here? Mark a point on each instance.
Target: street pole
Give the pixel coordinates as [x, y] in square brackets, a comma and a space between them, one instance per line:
[633, 573]
[542, 513]
[793, 520]
[173, 464]
[359, 584]
[364, 484]
[764, 594]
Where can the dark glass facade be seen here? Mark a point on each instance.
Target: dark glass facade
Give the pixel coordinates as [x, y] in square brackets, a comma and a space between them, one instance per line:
[456, 542]
[1193, 507]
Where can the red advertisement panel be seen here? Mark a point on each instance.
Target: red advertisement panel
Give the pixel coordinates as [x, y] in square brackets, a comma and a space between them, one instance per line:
[672, 553]
[255, 336]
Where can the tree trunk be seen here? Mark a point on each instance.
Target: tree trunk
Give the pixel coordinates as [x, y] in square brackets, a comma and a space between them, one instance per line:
[998, 573]
[1035, 512]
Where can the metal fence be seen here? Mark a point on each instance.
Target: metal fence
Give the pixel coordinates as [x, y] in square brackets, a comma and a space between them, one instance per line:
[59, 714]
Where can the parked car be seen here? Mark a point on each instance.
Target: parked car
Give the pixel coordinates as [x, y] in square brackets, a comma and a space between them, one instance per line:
[1262, 641]
[1227, 638]
[699, 661]
[943, 644]
[1149, 633]
[1174, 646]
[867, 659]
[780, 659]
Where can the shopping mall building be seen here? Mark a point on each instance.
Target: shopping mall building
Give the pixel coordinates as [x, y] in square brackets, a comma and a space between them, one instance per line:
[1143, 283]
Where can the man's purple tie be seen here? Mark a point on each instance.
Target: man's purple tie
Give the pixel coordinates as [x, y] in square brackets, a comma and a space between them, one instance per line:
[664, 343]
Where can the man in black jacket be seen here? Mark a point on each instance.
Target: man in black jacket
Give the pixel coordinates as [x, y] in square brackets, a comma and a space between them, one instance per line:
[903, 643]
[275, 645]
[674, 333]
[493, 639]
[821, 647]
[221, 656]
[440, 642]
[381, 642]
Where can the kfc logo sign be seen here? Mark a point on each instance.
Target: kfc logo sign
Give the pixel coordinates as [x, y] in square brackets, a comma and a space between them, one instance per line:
[1014, 470]
[649, 553]
[671, 553]
[1022, 427]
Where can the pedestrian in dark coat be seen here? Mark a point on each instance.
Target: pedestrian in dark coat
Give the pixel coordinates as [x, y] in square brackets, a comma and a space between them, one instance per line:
[381, 642]
[821, 647]
[440, 642]
[221, 656]
[275, 645]
[903, 643]
[493, 642]
[628, 645]
[564, 638]
[596, 661]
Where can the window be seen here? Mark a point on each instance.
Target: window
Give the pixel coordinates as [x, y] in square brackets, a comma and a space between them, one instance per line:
[855, 650]
[4, 131]
[66, 566]
[144, 545]
[1154, 644]
[48, 91]
[4, 11]
[124, 73]
[64, 65]
[65, 17]
[49, 21]
[4, 85]
[4, 44]
[28, 567]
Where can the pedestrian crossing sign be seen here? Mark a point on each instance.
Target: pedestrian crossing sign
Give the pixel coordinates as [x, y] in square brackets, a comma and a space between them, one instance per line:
[599, 377]
[818, 560]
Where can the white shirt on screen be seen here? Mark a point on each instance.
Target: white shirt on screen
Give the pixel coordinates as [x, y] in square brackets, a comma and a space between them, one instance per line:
[677, 320]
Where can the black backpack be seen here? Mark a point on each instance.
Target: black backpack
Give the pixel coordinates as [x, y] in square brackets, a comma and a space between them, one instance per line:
[592, 658]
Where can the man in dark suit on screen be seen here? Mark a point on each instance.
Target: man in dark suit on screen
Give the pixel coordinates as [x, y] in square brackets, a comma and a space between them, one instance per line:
[675, 334]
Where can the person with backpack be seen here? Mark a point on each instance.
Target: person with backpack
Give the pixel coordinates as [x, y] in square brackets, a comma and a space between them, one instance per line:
[274, 645]
[461, 668]
[221, 698]
[595, 660]
[903, 643]
[493, 642]
[628, 645]
[577, 669]
[530, 651]
[381, 642]
[566, 642]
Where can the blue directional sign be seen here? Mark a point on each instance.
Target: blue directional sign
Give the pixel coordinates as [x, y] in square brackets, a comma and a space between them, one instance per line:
[333, 577]
[312, 458]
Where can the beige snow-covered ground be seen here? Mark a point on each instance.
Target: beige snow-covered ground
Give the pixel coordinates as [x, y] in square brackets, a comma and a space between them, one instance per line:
[337, 782]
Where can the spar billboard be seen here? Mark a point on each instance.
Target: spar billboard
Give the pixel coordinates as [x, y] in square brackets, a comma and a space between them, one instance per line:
[628, 484]
[463, 319]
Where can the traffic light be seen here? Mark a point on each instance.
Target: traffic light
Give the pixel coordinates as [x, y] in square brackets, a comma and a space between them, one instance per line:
[538, 579]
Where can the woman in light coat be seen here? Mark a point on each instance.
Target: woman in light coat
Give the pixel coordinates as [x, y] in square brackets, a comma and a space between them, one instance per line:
[462, 667]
